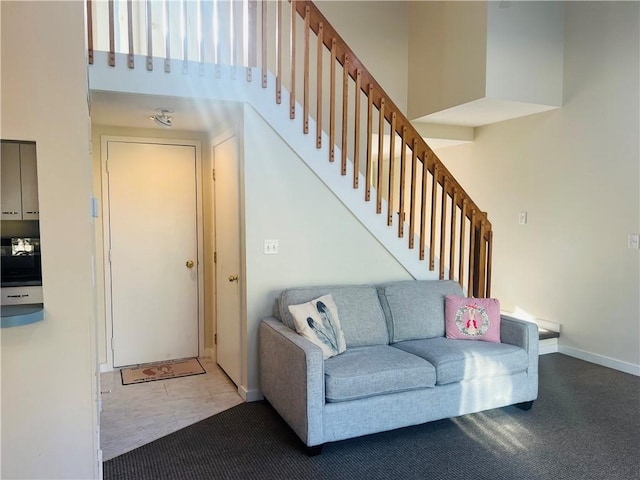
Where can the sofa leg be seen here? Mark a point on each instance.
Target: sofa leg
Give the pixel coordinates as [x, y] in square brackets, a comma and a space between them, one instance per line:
[314, 451]
[524, 405]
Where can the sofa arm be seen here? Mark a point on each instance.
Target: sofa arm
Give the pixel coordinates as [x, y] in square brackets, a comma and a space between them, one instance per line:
[525, 335]
[292, 379]
[519, 332]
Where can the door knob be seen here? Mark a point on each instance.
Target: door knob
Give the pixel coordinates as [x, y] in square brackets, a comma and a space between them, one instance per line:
[189, 264]
[233, 278]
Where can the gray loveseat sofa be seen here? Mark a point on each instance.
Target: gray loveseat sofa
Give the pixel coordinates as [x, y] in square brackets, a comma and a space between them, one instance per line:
[399, 369]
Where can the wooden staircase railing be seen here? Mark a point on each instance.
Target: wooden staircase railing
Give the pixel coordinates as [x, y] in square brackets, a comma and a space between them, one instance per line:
[374, 139]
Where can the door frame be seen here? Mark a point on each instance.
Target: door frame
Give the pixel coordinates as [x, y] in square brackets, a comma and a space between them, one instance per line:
[106, 231]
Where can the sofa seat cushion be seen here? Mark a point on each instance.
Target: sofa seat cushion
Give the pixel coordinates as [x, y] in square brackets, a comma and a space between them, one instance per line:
[457, 360]
[375, 370]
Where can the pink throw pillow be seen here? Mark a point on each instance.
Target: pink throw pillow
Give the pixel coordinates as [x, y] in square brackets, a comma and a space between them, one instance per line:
[472, 318]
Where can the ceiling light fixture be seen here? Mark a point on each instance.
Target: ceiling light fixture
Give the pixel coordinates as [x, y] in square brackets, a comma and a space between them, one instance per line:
[162, 118]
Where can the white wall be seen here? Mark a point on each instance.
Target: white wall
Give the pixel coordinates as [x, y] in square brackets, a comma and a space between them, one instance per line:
[320, 241]
[576, 172]
[377, 33]
[49, 414]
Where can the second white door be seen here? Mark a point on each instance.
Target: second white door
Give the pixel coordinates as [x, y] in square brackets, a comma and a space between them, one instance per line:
[153, 251]
[228, 347]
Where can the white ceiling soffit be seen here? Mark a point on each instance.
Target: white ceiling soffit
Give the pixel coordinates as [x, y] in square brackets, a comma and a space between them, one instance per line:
[440, 136]
[484, 111]
[433, 142]
[188, 114]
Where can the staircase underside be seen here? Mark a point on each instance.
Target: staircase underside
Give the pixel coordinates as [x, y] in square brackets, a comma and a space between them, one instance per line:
[228, 84]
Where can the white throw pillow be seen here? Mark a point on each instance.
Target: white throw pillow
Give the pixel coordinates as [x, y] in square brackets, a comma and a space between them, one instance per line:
[318, 322]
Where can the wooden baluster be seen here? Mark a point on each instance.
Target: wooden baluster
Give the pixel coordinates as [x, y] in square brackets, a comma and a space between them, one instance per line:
[130, 60]
[320, 43]
[356, 140]
[185, 40]
[463, 227]
[423, 207]
[452, 239]
[217, 38]
[252, 38]
[252, 27]
[264, 44]
[401, 199]
[292, 93]
[392, 167]
[332, 103]
[167, 38]
[278, 52]
[233, 35]
[199, 38]
[381, 121]
[472, 248]
[367, 190]
[489, 258]
[481, 258]
[443, 225]
[90, 31]
[434, 204]
[149, 38]
[412, 201]
[112, 36]
[305, 79]
[345, 112]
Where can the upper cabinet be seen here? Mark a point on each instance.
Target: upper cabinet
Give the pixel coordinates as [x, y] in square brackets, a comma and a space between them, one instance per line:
[19, 181]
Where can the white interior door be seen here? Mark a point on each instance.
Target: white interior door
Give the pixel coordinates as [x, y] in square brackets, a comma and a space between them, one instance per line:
[153, 251]
[228, 351]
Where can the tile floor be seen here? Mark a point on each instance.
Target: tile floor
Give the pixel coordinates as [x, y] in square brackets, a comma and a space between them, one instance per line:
[133, 415]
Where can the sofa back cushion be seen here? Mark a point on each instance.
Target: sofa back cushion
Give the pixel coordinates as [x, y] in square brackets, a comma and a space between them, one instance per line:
[414, 309]
[361, 317]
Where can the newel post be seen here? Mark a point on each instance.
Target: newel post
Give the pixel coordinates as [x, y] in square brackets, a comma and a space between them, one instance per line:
[481, 254]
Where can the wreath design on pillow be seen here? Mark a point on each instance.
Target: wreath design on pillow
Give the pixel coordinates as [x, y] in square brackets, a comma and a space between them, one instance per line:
[472, 320]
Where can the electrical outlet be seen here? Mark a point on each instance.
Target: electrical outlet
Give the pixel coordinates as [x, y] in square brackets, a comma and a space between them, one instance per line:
[271, 247]
[634, 241]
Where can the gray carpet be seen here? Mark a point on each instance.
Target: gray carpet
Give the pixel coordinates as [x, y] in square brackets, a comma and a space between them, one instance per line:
[584, 425]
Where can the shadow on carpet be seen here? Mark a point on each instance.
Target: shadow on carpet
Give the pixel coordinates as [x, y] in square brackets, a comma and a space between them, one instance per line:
[585, 425]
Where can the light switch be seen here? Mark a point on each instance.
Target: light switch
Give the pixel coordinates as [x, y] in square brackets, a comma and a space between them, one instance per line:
[271, 247]
[522, 218]
[634, 241]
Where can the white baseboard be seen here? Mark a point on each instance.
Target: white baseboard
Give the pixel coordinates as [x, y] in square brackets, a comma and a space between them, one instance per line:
[550, 345]
[250, 395]
[625, 367]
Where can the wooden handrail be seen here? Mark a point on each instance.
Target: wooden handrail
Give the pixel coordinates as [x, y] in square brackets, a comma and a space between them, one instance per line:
[478, 270]
[354, 65]
[415, 184]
